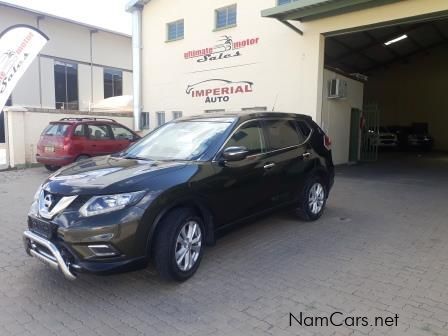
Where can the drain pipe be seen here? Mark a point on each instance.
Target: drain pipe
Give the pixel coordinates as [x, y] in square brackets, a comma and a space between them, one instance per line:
[135, 7]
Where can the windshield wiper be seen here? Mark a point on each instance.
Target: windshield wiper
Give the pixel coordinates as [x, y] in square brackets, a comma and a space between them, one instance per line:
[130, 157]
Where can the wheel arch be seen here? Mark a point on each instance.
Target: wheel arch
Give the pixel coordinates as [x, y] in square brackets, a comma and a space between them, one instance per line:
[198, 206]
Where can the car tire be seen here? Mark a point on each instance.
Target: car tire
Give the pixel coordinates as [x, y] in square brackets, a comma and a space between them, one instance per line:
[82, 158]
[174, 240]
[52, 168]
[313, 199]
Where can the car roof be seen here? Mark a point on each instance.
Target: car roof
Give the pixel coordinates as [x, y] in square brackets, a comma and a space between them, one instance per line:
[245, 115]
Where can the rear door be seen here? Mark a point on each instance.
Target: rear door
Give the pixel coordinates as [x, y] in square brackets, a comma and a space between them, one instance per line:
[290, 154]
[99, 139]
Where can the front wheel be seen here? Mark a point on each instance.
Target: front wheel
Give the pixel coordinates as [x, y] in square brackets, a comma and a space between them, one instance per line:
[313, 199]
[179, 244]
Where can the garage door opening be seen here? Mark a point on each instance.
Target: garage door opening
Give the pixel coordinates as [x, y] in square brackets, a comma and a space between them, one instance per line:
[385, 93]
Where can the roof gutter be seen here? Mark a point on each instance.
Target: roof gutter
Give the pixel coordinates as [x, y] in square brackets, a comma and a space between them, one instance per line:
[135, 7]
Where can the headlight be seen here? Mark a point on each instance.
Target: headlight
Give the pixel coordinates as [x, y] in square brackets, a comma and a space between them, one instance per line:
[107, 203]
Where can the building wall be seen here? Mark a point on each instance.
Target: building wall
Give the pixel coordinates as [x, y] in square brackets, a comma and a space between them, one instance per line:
[414, 92]
[70, 42]
[336, 114]
[286, 69]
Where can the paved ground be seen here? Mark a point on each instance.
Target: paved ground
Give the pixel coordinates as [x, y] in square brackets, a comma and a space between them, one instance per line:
[380, 249]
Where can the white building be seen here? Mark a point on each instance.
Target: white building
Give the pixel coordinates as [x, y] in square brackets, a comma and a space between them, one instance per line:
[80, 64]
[78, 67]
[283, 54]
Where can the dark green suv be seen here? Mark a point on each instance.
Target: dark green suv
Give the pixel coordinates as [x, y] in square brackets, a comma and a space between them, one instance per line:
[168, 195]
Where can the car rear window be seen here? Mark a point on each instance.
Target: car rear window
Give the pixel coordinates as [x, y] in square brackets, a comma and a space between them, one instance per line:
[56, 130]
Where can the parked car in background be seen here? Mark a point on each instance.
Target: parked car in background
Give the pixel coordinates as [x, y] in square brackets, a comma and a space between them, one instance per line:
[415, 137]
[387, 138]
[74, 139]
[168, 195]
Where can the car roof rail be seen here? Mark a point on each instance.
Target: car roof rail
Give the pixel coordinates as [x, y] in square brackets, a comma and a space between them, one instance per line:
[86, 119]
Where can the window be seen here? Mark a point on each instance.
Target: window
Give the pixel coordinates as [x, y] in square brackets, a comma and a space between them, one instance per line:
[304, 128]
[160, 118]
[177, 114]
[9, 101]
[215, 111]
[250, 136]
[121, 133]
[66, 85]
[113, 83]
[255, 109]
[80, 131]
[225, 17]
[144, 120]
[175, 30]
[58, 129]
[282, 133]
[99, 132]
[284, 2]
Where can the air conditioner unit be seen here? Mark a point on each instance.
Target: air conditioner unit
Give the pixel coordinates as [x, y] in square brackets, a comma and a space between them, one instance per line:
[337, 88]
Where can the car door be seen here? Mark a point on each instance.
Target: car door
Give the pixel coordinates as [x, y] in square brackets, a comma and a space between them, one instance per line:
[122, 137]
[100, 139]
[238, 188]
[290, 155]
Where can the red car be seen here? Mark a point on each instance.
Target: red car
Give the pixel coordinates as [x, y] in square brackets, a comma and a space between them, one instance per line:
[74, 139]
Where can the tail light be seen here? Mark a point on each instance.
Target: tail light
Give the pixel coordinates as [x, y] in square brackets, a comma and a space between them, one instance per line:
[327, 142]
[66, 144]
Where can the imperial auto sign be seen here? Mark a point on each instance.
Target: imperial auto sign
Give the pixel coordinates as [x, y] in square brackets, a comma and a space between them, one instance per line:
[218, 90]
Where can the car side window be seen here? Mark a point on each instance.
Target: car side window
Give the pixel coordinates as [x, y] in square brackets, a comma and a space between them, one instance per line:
[79, 131]
[250, 135]
[121, 133]
[282, 133]
[99, 132]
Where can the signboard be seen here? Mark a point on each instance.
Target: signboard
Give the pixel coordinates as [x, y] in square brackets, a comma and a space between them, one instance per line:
[226, 48]
[19, 46]
[218, 90]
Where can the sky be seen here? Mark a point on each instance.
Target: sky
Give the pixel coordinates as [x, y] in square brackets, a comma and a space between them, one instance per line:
[109, 14]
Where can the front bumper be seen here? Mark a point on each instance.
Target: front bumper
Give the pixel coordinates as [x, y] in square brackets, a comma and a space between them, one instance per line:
[48, 253]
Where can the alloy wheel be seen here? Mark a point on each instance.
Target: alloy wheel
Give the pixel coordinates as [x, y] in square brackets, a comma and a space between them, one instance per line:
[188, 245]
[316, 198]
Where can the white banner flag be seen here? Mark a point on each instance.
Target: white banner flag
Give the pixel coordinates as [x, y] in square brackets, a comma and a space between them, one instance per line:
[19, 46]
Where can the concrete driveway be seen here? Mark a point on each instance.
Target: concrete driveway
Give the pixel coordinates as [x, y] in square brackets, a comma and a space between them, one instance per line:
[380, 249]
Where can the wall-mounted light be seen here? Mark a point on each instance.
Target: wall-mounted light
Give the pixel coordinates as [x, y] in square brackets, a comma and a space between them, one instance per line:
[395, 40]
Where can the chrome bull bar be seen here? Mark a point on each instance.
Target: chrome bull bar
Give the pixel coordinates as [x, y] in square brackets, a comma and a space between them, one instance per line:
[33, 245]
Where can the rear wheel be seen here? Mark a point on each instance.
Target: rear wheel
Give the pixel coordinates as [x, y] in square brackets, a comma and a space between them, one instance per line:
[82, 158]
[179, 244]
[52, 168]
[313, 199]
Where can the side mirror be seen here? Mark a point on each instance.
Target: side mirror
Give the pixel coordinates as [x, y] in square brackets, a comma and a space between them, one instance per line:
[235, 153]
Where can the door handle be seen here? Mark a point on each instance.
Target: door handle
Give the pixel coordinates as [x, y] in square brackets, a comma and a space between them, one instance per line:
[305, 155]
[269, 165]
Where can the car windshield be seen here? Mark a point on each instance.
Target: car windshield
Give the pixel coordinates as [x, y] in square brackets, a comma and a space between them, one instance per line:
[183, 140]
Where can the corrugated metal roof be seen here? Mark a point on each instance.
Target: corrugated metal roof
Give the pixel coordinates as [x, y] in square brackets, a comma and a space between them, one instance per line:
[306, 10]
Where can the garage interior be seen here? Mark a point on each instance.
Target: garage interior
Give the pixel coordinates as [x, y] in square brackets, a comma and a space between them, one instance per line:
[402, 69]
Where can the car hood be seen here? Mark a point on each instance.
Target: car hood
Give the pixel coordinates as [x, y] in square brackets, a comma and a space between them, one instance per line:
[108, 175]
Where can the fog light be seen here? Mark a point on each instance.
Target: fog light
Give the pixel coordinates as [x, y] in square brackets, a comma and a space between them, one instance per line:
[103, 250]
